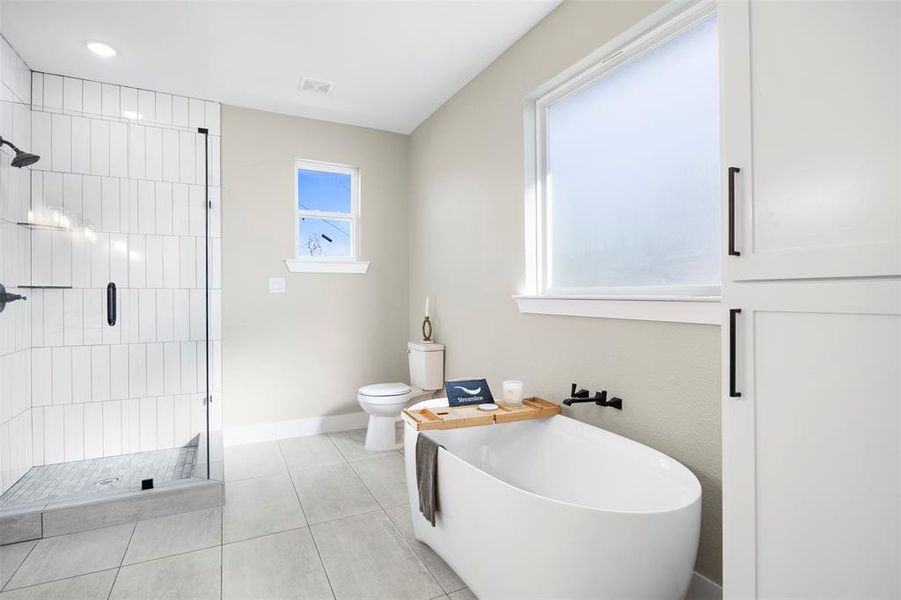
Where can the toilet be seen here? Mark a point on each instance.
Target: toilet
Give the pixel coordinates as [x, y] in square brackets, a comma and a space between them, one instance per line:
[385, 401]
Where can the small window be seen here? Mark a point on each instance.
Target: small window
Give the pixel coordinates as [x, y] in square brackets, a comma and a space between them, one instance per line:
[327, 214]
[626, 181]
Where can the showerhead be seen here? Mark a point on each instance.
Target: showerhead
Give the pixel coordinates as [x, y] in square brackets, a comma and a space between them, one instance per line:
[21, 159]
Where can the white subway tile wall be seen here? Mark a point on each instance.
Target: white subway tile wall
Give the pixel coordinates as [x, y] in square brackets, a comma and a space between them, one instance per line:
[16, 443]
[130, 163]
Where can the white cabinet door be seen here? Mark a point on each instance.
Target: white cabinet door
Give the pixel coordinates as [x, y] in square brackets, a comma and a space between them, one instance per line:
[811, 117]
[811, 447]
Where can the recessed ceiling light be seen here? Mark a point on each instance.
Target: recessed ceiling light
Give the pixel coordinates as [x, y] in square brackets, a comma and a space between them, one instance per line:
[101, 49]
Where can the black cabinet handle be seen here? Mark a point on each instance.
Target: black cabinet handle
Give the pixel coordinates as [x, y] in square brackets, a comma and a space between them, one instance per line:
[111, 303]
[732, 391]
[732, 250]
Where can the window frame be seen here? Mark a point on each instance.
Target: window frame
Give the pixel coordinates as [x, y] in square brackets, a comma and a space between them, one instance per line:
[698, 304]
[329, 264]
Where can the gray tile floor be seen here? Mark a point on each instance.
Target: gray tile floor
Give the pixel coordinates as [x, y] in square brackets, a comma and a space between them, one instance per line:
[314, 517]
[97, 476]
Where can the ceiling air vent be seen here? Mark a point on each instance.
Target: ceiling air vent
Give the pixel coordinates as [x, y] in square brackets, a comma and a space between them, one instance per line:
[318, 86]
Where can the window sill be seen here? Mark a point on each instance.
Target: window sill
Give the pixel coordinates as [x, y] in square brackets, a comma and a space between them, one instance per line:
[701, 310]
[326, 266]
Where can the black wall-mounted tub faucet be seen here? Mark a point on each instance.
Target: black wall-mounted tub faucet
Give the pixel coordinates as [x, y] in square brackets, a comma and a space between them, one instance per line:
[576, 397]
[600, 398]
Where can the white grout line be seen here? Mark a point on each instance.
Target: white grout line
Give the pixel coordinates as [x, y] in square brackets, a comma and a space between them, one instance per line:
[122, 560]
[409, 546]
[303, 512]
[221, 546]
[384, 511]
[27, 554]
[33, 585]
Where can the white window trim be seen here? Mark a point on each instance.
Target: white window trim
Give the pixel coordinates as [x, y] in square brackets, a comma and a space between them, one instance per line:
[675, 304]
[329, 264]
[298, 265]
[705, 312]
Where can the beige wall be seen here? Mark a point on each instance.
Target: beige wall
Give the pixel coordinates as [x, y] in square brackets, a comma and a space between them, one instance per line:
[456, 235]
[466, 252]
[305, 353]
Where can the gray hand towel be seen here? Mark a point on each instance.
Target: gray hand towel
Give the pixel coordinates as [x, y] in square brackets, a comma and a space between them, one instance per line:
[427, 476]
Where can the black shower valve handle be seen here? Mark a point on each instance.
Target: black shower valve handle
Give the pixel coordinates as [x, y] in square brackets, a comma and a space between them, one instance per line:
[10, 297]
[7, 297]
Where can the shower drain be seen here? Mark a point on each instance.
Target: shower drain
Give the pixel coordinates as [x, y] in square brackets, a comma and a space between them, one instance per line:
[107, 481]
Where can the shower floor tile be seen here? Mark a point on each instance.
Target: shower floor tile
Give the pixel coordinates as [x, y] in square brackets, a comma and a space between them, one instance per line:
[98, 476]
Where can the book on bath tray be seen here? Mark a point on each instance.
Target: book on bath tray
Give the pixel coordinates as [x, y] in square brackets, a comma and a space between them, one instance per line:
[468, 391]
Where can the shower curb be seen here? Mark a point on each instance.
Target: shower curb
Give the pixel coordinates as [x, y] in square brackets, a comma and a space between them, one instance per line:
[51, 521]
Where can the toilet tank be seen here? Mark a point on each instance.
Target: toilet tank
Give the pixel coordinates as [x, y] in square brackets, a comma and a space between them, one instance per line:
[426, 365]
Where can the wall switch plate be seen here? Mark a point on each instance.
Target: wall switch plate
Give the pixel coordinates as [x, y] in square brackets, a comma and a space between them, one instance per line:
[276, 285]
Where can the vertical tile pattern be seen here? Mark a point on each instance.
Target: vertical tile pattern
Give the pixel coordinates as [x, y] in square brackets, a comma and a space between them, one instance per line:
[71, 386]
[124, 162]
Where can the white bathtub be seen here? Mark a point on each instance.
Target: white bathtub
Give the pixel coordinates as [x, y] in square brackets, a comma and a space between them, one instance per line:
[559, 509]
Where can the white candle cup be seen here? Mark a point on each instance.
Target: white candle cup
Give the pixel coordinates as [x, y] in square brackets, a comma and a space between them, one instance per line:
[512, 392]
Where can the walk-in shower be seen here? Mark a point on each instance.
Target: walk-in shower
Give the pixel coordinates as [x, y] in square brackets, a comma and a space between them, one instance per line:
[110, 364]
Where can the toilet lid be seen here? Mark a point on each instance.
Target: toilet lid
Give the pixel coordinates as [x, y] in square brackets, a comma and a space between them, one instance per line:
[385, 389]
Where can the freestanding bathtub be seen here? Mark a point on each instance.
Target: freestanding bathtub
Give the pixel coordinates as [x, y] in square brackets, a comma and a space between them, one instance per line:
[558, 509]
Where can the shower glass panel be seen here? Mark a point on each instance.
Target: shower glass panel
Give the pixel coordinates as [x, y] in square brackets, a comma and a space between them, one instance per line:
[165, 318]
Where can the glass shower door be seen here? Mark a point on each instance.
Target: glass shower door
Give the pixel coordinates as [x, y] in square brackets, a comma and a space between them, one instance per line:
[170, 326]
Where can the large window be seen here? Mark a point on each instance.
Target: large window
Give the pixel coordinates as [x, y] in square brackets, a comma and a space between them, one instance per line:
[326, 224]
[627, 171]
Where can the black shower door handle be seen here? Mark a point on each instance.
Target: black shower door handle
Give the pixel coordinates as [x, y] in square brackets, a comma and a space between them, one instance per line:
[732, 391]
[732, 172]
[111, 304]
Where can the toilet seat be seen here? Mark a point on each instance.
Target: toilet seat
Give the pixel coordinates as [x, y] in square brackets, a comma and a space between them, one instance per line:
[384, 390]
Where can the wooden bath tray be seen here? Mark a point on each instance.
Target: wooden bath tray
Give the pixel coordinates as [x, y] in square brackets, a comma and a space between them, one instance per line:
[455, 417]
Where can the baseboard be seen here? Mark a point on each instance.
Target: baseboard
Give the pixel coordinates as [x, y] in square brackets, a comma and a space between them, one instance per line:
[279, 430]
[702, 588]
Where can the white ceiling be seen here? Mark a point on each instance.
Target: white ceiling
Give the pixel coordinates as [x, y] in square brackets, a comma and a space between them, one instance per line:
[392, 63]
